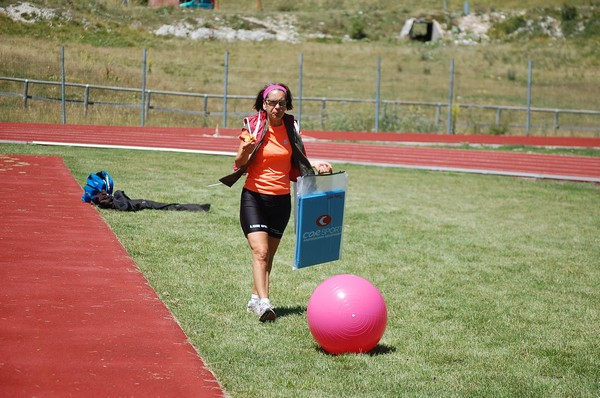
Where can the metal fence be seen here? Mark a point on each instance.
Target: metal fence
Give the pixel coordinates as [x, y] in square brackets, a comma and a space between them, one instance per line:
[215, 106]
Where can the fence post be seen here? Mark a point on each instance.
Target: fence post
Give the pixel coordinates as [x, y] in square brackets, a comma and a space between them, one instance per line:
[301, 63]
[225, 89]
[377, 94]
[449, 128]
[62, 74]
[323, 114]
[144, 88]
[25, 93]
[147, 106]
[86, 99]
[498, 116]
[385, 110]
[205, 105]
[528, 119]
[556, 126]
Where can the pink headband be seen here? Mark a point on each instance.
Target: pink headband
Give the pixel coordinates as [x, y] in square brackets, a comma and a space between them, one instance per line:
[271, 88]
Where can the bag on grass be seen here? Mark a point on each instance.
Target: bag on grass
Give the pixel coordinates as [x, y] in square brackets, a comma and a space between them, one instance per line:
[96, 182]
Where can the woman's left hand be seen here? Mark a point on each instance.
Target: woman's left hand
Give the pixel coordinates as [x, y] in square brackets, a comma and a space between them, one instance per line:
[322, 167]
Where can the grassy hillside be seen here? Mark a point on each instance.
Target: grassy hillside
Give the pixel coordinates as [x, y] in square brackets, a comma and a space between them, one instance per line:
[340, 42]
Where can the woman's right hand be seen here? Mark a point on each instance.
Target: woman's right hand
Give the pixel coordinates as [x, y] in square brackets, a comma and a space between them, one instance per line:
[247, 145]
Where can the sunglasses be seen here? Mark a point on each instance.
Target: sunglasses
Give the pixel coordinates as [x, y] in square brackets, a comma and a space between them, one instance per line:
[273, 103]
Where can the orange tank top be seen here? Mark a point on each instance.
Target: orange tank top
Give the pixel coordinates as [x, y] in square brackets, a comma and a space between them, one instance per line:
[269, 172]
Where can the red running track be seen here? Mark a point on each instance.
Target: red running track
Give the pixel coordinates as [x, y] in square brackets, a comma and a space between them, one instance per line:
[77, 317]
[385, 149]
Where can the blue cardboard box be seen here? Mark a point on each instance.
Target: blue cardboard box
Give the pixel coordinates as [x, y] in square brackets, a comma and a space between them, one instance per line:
[319, 227]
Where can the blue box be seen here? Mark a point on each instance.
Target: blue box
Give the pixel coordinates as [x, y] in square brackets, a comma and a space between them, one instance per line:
[319, 227]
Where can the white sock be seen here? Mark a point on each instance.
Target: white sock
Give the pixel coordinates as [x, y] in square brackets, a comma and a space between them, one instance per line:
[254, 297]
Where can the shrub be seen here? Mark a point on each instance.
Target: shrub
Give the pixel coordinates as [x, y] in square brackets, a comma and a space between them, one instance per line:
[568, 13]
[508, 27]
[511, 75]
[592, 27]
[498, 129]
[357, 29]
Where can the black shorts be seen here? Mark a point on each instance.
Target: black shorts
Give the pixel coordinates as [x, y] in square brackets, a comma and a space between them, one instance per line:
[268, 213]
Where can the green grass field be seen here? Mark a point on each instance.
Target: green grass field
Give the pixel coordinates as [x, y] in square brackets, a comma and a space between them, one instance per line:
[491, 283]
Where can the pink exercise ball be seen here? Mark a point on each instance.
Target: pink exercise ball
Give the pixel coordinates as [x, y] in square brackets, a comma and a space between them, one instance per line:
[346, 314]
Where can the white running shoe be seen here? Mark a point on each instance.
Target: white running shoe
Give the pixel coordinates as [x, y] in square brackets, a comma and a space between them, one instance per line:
[266, 312]
[253, 306]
